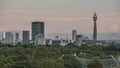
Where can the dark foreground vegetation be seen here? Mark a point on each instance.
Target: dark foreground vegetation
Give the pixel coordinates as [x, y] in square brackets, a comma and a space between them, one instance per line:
[30, 56]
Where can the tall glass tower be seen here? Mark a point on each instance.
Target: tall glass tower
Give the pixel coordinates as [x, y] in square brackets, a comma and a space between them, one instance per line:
[37, 28]
[95, 27]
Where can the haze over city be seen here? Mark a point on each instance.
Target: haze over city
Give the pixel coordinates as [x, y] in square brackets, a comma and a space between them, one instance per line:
[59, 33]
[60, 16]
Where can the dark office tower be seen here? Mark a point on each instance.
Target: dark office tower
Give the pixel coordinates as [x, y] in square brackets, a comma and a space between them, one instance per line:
[95, 27]
[37, 28]
[74, 33]
[25, 37]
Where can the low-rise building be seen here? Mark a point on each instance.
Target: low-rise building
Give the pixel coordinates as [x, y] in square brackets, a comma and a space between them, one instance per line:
[39, 40]
[78, 40]
[48, 42]
[59, 42]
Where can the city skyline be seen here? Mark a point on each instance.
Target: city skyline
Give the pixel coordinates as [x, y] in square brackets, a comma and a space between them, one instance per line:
[60, 16]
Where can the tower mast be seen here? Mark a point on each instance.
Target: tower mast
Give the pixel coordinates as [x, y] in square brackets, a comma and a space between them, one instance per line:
[95, 27]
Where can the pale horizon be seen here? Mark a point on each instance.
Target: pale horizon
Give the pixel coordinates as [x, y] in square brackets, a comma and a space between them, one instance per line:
[60, 16]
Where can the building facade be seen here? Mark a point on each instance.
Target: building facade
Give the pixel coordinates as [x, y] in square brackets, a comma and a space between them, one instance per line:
[8, 39]
[78, 40]
[17, 40]
[25, 37]
[39, 39]
[74, 33]
[37, 28]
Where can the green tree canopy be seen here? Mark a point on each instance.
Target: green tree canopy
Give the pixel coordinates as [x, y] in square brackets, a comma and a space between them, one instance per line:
[95, 64]
[70, 61]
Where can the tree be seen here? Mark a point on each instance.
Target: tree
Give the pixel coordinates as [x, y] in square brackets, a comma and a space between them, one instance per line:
[40, 52]
[54, 52]
[70, 61]
[21, 64]
[51, 64]
[95, 64]
[3, 60]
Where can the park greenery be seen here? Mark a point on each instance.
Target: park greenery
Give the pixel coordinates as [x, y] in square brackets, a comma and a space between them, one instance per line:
[41, 56]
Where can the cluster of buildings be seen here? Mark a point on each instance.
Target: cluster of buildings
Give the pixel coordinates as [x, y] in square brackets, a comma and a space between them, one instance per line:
[37, 33]
[8, 38]
[38, 36]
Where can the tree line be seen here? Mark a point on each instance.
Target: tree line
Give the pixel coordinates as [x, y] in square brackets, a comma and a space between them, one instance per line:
[30, 56]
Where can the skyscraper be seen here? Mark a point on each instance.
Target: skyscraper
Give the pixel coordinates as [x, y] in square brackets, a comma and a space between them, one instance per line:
[74, 33]
[25, 37]
[95, 27]
[37, 28]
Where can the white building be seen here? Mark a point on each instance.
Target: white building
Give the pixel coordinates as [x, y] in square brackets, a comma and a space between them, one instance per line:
[39, 40]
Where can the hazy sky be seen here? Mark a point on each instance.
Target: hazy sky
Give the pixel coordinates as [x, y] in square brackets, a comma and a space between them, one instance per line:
[60, 16]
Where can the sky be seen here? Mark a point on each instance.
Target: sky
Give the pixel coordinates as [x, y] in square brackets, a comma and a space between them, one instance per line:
[60, 16]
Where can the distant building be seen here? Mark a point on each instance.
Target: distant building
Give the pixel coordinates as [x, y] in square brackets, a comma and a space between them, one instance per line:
[56, 37]
[78, 40]
[8, 38]
[74, 33]
[92, 42]
[17, 39]
[59, 42]
[37, 29]
[25, 37]
[48, 42]
[39, 40]
[17, 36]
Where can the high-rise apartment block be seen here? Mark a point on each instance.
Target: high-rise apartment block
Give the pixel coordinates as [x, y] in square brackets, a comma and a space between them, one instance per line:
[25, 37]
